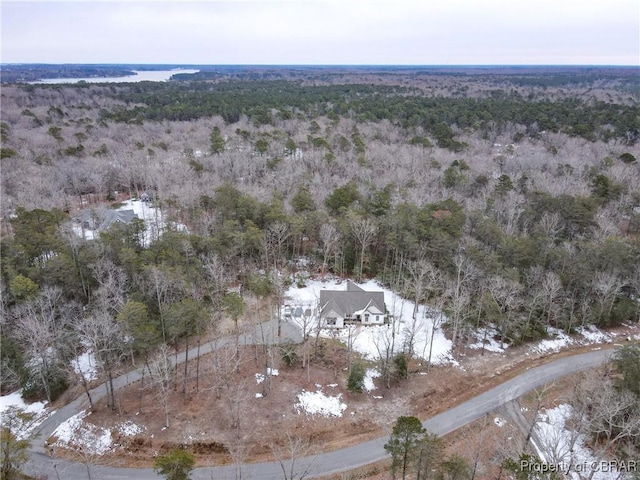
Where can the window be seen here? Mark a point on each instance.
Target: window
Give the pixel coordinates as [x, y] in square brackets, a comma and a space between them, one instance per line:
[331, 320]
[377, 318]
[366, 317]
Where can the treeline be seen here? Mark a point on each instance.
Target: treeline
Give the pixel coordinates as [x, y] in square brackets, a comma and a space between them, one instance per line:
[34, 72]
[261, 100]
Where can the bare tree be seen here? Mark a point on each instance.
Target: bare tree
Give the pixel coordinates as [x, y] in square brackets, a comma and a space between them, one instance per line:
[293, 457]
[276, 235]
[329, 237]
[41, 328]
[505, 295]
[83, 372]
[457, 292]
[552, 287]
[166, 285]
[364, 231]
[422, 276]
[112, 281]
[236, 396]
[104, 336]
[162, 369]
[222, 364]
[606, 286]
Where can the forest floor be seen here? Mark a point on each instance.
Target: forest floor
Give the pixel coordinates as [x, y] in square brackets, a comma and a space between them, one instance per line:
[205, 420]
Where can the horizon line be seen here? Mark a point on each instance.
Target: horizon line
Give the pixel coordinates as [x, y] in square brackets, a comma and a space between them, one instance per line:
[414, 65]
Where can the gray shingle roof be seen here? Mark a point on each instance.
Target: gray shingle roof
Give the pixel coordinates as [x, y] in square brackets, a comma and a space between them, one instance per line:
[101, 219]
[353, 299]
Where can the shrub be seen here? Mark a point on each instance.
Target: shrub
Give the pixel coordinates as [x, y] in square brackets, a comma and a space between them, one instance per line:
[355, 382]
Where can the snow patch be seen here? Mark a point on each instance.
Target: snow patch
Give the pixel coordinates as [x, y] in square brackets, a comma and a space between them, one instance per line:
[555, 344]
[76, 434]
[317, 403]
[591, 334]
[501, 422]
[129, 429]
[12, 410]
[368, 379]
[271, 372]
[486, 337]
[587, 335]
[85, 365]
[559, 445]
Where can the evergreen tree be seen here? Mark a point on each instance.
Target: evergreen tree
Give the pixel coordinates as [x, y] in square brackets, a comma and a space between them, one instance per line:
[175, 465]
[406, 436]
[355, 382]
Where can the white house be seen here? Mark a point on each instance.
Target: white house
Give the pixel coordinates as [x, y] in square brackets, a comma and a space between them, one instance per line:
[353, 305]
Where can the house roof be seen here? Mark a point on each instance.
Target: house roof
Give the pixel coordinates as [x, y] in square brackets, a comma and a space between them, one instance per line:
[354, 299]
[102, 218]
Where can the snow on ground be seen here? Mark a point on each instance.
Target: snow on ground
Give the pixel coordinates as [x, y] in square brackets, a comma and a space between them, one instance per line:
[499, 421]
[85, 365]
[587, 335]
[12, 407]
[271, 372]
[368, 379]
[75, 434]
[556, 343]
[154, 221]
[372, 341]
[83, 232]
[317, 403]
[487, 336]
[591, 334]
[557, 340]
[566, 448]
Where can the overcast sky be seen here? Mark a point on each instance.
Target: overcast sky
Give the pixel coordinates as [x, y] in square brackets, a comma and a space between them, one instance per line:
[397, 32]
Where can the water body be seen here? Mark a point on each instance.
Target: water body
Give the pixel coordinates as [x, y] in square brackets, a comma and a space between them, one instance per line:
[140, 76]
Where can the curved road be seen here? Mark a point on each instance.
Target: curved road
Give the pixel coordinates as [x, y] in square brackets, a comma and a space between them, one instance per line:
[323, 464]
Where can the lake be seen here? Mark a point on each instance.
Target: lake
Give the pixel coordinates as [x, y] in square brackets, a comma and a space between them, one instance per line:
[140, 76]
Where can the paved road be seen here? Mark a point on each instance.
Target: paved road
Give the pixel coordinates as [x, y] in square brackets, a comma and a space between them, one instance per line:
[323, 464]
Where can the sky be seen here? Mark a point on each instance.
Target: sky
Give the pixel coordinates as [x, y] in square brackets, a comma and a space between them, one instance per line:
[323, 32]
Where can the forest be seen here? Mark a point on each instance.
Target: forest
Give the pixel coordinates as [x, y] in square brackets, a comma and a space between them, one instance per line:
[504, 199]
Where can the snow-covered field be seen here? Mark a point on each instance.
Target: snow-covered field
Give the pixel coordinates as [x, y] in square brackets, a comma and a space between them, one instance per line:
[372, 342]
[11, 408]
[566, 448]
[75, 433]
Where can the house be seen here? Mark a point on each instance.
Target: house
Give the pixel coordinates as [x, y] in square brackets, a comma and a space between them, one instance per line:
[100, 219]
[352, 305]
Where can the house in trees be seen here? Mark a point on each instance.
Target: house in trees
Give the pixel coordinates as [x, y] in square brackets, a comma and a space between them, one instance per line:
[100, 219]
[351, 306]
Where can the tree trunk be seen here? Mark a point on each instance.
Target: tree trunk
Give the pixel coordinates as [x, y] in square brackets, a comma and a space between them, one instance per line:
[112, 392]
[186, 362]
[198, 365]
